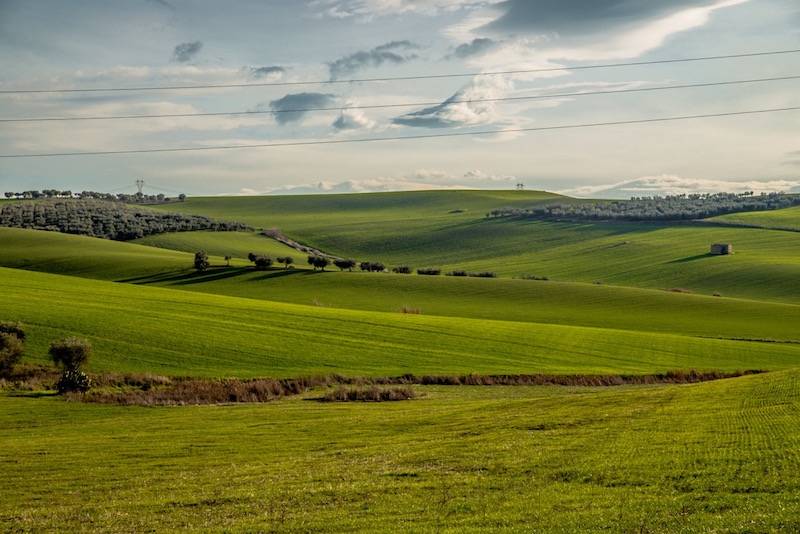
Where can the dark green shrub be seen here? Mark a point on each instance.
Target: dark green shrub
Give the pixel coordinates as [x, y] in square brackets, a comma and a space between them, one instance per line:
[344, 264]
[13, 328]
[71, 353]
[430, 271]
[486, 274]
[457, 273]
[321, 262]
[286, 261]
[201, 260]
[11, 349]
[263, 263]
[73, 380]
[402, 269]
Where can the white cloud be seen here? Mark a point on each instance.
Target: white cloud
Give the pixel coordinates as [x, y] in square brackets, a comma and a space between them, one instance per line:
[367, 9]
[353, 119]
[421, 179]
[667, 184]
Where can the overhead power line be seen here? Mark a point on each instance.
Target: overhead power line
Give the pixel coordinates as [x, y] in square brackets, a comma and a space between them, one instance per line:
[398, 78]
[405, 104]
[406, 138]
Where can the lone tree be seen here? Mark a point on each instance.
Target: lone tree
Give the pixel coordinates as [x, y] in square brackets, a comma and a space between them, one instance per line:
[251, 257]
[201, 260]
[263, 263]
[228, 260]
[71, 354]
[344, 264]
[286, 261]
[11, 349]
[320, 262]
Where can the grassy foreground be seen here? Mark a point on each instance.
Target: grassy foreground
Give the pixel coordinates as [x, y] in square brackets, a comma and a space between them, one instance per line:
[713, 457]
[173, 332]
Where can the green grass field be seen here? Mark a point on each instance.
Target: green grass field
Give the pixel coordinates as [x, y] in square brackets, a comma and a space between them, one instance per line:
[184, 333]
[787, 219]
[419, 229]
[713, 457]
[575, 304]
[221, 244]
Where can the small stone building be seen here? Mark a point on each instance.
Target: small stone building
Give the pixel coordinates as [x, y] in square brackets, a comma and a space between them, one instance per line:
[721, 249]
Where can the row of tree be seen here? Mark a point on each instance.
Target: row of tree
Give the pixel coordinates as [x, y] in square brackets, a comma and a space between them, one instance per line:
[109, 220]
[655, 208]
[136, 198]
[262, 263]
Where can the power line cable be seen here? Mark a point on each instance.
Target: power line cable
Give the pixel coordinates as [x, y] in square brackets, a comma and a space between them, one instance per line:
[400, 78]
[405, 138]
[406, 104]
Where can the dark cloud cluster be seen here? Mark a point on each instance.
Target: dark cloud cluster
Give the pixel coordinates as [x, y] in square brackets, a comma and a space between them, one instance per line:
[395, 52]
[185, 52]
[476, 47]
[285, 107]
[571, 17]
[267, 72]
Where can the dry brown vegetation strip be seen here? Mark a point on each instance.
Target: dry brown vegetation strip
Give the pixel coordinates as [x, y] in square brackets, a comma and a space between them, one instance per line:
[156, 390]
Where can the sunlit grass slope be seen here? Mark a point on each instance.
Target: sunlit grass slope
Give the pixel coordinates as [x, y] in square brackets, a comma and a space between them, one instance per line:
[448, 229]
[713, 457]
[236, 244]
[788, 219]
[137, 328]
[506, 299]
[499, 299]
[85, 256]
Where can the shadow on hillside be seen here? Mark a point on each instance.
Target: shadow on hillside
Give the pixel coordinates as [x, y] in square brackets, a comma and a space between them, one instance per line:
[691, 258]
[268, 275]
[211, 275]
[192, 277]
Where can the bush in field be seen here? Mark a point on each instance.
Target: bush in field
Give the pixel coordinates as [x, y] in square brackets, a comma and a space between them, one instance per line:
[372, 266]
[11, 349]
[71, 354]
[369, 394]
[457, 272]
[320, 262]
[73, 380]
[402, 269]
[286, 261]
[344, 264]
[251, 257]
[486, 274]
[429, 271]
[263, 263]
[13, 328]
[201, 260]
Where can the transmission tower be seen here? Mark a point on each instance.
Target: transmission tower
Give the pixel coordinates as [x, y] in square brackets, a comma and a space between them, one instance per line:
[140, 185]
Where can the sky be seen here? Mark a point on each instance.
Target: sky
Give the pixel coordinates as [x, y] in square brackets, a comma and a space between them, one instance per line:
[47, 44]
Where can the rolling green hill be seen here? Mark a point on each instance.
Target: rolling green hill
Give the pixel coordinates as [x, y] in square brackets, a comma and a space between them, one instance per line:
[236, 244]
[713, 457]
[165, 331]
[574, 304]
[786, 219]
[421, 229]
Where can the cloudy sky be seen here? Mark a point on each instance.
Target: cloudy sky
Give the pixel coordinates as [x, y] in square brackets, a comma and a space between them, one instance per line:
[100, 43]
